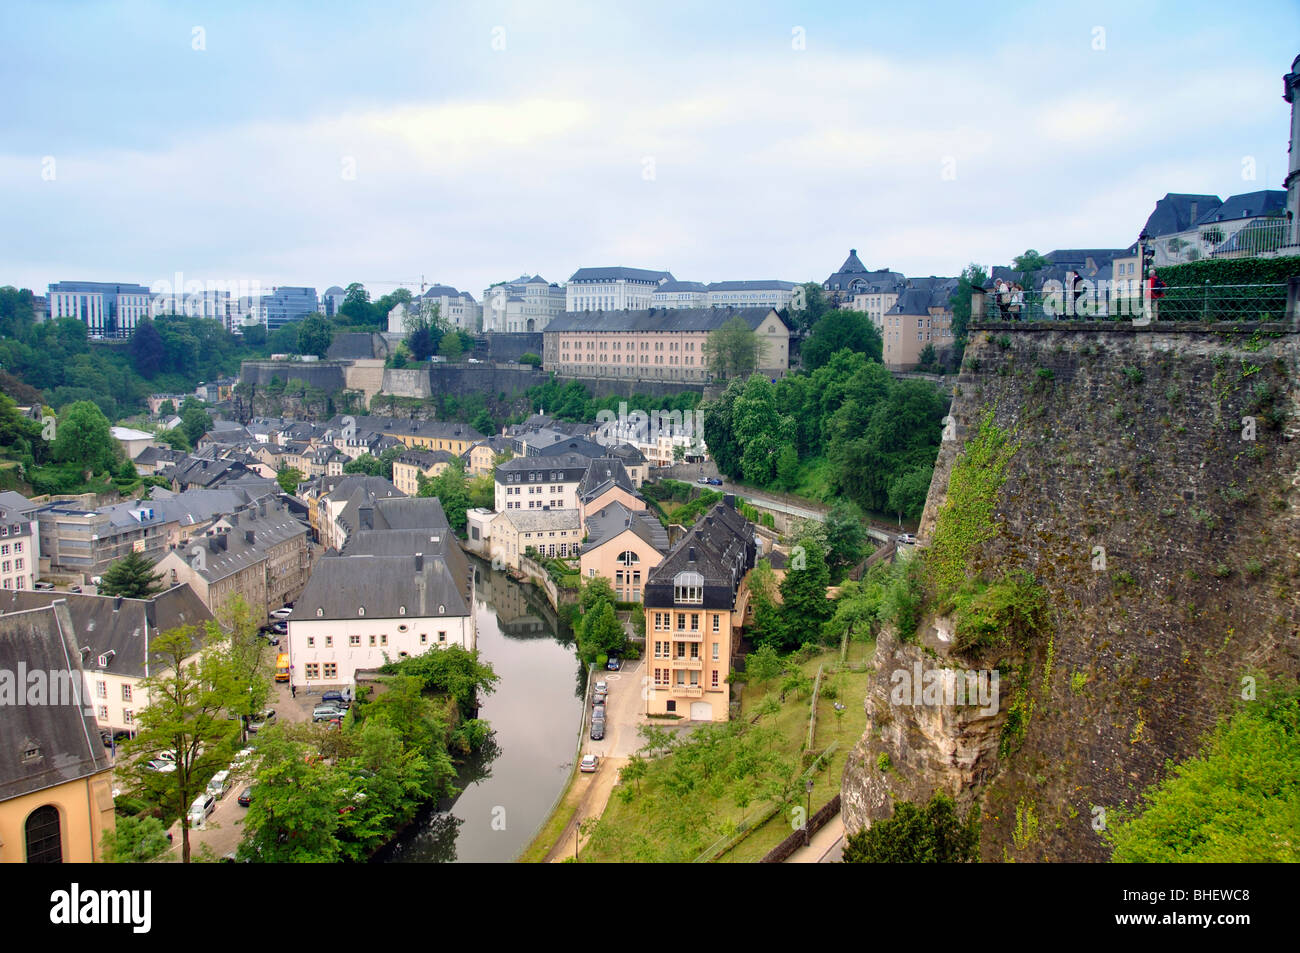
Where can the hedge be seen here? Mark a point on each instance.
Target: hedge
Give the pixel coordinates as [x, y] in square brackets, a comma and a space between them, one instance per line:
[1231, 271]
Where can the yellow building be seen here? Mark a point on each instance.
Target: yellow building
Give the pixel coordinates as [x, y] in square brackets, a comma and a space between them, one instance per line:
[413, 464]
[692, 618]
[56, 783]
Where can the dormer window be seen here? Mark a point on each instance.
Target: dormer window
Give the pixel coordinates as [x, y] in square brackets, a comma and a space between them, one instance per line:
[319, 612]
[361, 610]
[401, 610]
[688, 587]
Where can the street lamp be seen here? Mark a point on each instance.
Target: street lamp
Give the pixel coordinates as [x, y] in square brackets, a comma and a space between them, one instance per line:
[807, 817]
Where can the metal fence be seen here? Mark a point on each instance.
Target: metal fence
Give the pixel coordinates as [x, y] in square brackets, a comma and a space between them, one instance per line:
[1124, 301]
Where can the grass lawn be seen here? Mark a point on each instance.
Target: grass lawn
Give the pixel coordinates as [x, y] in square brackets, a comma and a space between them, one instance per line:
[646, 830]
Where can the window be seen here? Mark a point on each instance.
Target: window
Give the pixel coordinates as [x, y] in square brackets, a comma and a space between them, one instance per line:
[695, 622]
[442, 636]
[716, 628]
[43, 836]
[424, 638]
[101, 689]
[128, 716]
[313, 670]
[329, 641]
[102, 713]
[714, 682]
[688, 587]
[126, 693]
[372, 641]
[715, 651]
[354, 640]
[383, 638]
[331, 670]
[311, 642]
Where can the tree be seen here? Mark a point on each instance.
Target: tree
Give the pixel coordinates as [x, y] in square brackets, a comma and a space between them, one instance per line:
[804, 606]
[732, 350]
[423, 331]
[451, 347]
[195, 421]
[846, 535]
[530, 358]
[932, 834]
[297, 811]
[289, 478]
[167, 408]
[449, 487]
[367, 464]
[188, 698]
[841, 329]
[763, 664]
[135, 840]
[314, 335]
[600, 633]
[928, 357]
[84, 438]
[132, 576]
[1237, 800]
[1029, 265]
[147, 349]
[973, 278]
[808, 305]
[908, 492]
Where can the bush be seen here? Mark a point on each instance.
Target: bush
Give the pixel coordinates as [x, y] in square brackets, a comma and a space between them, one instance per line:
[1007, 614]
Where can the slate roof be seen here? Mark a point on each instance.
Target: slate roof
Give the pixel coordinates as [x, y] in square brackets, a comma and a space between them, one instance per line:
[723, 545]
[110, 624]
[222, 559]
[670, 286]
[198, 506]
[656, 319]
[613, 520]
[1177, 212]
[547, 443]
[1247, 205]
[923, 294]
[572, 467]
[543, 520]
[12, 502]
[629, 454]
[425, 458]
[854, 275]
[64, 737]
[761, 285]
[604, 473]
[429, 429]
[383, 585]
[617, 273]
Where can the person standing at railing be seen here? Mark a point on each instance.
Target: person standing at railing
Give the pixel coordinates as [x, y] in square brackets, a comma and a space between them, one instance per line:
[1155, 290]
[1003, 292]
[1017, 301]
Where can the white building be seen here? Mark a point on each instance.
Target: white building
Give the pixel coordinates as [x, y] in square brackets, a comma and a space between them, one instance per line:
[523, 305]
[107, 309]
[392, 594]
[613, 289]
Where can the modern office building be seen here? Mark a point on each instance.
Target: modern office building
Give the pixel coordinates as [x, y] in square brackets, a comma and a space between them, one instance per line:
[108, 309]
[287, 304]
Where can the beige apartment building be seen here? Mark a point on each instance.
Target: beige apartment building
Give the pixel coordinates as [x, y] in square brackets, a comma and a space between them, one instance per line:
[655, 344]
[622, 545]
[921, 316]
[550, 532]
[413, 464]
[691, 617]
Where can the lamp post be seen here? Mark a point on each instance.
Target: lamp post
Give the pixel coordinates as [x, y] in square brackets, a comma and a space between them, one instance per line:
[807, 817]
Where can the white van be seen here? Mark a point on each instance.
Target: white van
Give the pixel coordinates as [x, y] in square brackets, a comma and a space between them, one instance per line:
[219, 784]
[201, 809]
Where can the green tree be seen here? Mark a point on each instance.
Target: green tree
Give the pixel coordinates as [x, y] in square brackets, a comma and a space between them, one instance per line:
[167, 408]
[296, 812]
[1237, 800]
[600, 633]
[451, 346]
[809, 306]
[847, 541]
[289, 478]
[423, 331]
[185, 717]
[908, 492]
[732, 350]
[804, 606]
[148, 351]
[530, 358]
[449, 487]
[841, 329]
[135, 840]
[367, 464]
[195, 421]
[929, 834]
[132, 576]
[973, 277]
[763, 664]
[314, 335]
[84, 438]
[1029, 265]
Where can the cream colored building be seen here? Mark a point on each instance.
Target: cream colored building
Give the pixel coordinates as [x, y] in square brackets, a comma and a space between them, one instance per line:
[550, 532]
[655, 344]
[413, 464]
[622, 545]
[921, 316]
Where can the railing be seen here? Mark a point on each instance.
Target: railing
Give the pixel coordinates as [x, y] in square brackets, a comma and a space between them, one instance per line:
[690, 691]
[688, 663]
[1261, 237]
[1125, 300]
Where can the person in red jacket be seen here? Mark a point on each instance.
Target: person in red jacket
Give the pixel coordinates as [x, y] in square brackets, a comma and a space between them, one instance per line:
[1155, 291]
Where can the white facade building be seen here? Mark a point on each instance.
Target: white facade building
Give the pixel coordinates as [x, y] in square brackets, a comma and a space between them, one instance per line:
[613, 289]
[524, 305]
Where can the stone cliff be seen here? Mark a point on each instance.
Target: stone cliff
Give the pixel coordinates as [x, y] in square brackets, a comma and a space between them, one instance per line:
[1152, 492]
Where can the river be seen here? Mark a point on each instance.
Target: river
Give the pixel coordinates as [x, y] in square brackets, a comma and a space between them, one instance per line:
[509, 787]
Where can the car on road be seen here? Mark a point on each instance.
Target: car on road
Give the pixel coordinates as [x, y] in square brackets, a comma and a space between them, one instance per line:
[219, 784]
[43, 586]
[588, 764]
[246, 796]
[260, 721]
[282, 613]
[614, 663]
[714, 481]
[161, 766]
[74, 588]
[327, 713]
[704, 481]
[907, 539]
[598, 705]
[602, 689]
[597, 731]
[334, 698]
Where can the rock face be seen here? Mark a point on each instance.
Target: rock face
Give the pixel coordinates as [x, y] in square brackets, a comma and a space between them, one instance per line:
[1154, 495]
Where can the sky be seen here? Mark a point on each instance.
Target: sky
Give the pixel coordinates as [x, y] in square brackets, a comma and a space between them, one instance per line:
[320, 143]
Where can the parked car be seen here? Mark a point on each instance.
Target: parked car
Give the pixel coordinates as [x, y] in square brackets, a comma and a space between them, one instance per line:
[602, 689]
[219, 784]
[44, 586]
[614, 663]
[166, 756]
[161, 766]
[597, 731]
[241, 759]
[598, 705]
[327, 713]
[703, 480]
[907, 539]
[280, 628]
[74, 588]
[246, 796]
[260, 721]
[282, 613]
[202, 809]
[334, 698]
[714, 481]
[589, 763]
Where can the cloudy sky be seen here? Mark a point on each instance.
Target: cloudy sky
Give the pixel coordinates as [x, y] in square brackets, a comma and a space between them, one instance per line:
[320, 143]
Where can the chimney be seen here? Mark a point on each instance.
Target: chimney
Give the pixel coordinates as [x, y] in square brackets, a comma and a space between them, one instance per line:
[248, 536]
[212, 544]
[366, 516]
[419, 562]
[117, 603]
[730, 500]
[225, 541]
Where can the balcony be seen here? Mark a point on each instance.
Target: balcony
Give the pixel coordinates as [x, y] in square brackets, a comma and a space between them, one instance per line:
[688, 691]
[688, 663]
[685, 635]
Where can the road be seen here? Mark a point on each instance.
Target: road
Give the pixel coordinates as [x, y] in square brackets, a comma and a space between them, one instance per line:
[827, 845]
